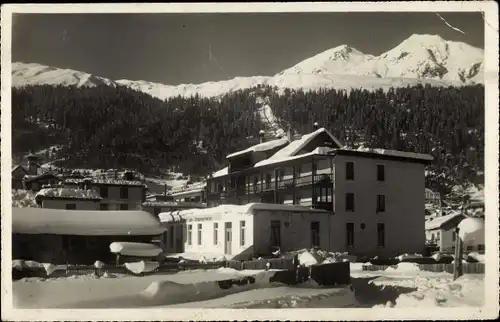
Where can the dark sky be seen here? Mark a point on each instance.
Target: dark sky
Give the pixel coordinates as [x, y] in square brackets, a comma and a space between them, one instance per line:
[174, 48]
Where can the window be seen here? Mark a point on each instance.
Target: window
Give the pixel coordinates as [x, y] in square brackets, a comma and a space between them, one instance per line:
[350, 234]
[469, 248]
[104, 192]
[315, 234]
[242, 233]
[268, 181]
[190, 235]
[480, 247]
[380, 235]
[438, 235]
[324, 194]
[275, 233]
[70, 206]
[255, 183]
[298, 171]
[103, 206]
[380, 172]
[349, 201]
[216, 233]
[281, 174]
[380, 203]
[349, 170]
[453, 236]
[200, 227]
[297, 200]
[123, 206]
[124, 192]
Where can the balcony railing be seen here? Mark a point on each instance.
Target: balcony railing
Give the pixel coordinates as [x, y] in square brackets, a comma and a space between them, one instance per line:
[283, 184]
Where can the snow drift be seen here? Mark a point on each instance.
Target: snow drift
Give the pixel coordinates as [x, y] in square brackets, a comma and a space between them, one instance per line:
[135, 249]
[142, 267]
[472, 231]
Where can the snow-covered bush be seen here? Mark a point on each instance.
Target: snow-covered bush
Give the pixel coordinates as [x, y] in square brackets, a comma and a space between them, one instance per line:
[23, 199]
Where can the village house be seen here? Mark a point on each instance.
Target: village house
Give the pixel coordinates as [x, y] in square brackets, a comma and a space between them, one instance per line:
[124, 193]
[377, 211]
[191, 193]
[32, 177]
[67, 198]
[440, 231]
[77, 237]
[156, 204]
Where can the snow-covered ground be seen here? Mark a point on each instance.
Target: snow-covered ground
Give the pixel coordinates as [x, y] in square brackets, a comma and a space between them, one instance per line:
[401, 287]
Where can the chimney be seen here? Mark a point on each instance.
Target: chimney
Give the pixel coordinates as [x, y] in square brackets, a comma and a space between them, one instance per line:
[315, 126]
[32, 164]
[261, 136]
[289, 133]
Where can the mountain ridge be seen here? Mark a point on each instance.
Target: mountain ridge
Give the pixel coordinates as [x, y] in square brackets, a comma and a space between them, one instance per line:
[419, 59]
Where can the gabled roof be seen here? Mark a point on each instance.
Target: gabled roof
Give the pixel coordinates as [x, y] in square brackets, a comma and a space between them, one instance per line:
[439, 222]
[261, 147]
[221, 172]
[296, 146]
[29, 178]
[19, 166]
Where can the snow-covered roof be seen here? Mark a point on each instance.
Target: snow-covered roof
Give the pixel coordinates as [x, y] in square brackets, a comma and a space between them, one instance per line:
[173, 204]
[392, 153]
[221, 173]
[85, 222]
[30, 177]
[437, 222]
[68, 193]
[261, 147]
[102, 181]
[247, 209]
[192, 188]
[295, 146]
[317, 151]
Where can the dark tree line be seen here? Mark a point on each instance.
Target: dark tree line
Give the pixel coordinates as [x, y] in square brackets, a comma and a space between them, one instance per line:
[447, 123]
[107, 127]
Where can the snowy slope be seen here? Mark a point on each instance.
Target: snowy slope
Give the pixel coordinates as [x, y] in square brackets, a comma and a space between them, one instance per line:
[36, 74]
[420, 59]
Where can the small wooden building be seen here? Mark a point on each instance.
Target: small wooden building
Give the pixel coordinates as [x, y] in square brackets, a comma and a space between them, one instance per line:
[77, 236]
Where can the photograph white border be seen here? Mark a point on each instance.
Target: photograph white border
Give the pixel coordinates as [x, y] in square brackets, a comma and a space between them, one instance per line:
[491, 307]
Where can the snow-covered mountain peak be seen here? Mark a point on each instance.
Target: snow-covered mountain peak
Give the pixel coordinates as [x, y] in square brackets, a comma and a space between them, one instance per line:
[419, 59]
[337, 60]
[24, 74]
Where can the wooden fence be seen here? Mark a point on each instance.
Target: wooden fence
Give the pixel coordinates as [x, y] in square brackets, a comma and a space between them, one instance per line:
[165, 268]
[468, 268]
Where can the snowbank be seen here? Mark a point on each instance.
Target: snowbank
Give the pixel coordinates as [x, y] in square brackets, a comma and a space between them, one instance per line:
[167, 292]
[49, 268]
[404, 267]
[318, 256]
[23, 199]
[478, 257]
[142, 267]
[135, 249]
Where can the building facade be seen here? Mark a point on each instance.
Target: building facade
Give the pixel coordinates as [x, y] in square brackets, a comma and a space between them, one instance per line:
[379, 212]
[116, 194]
